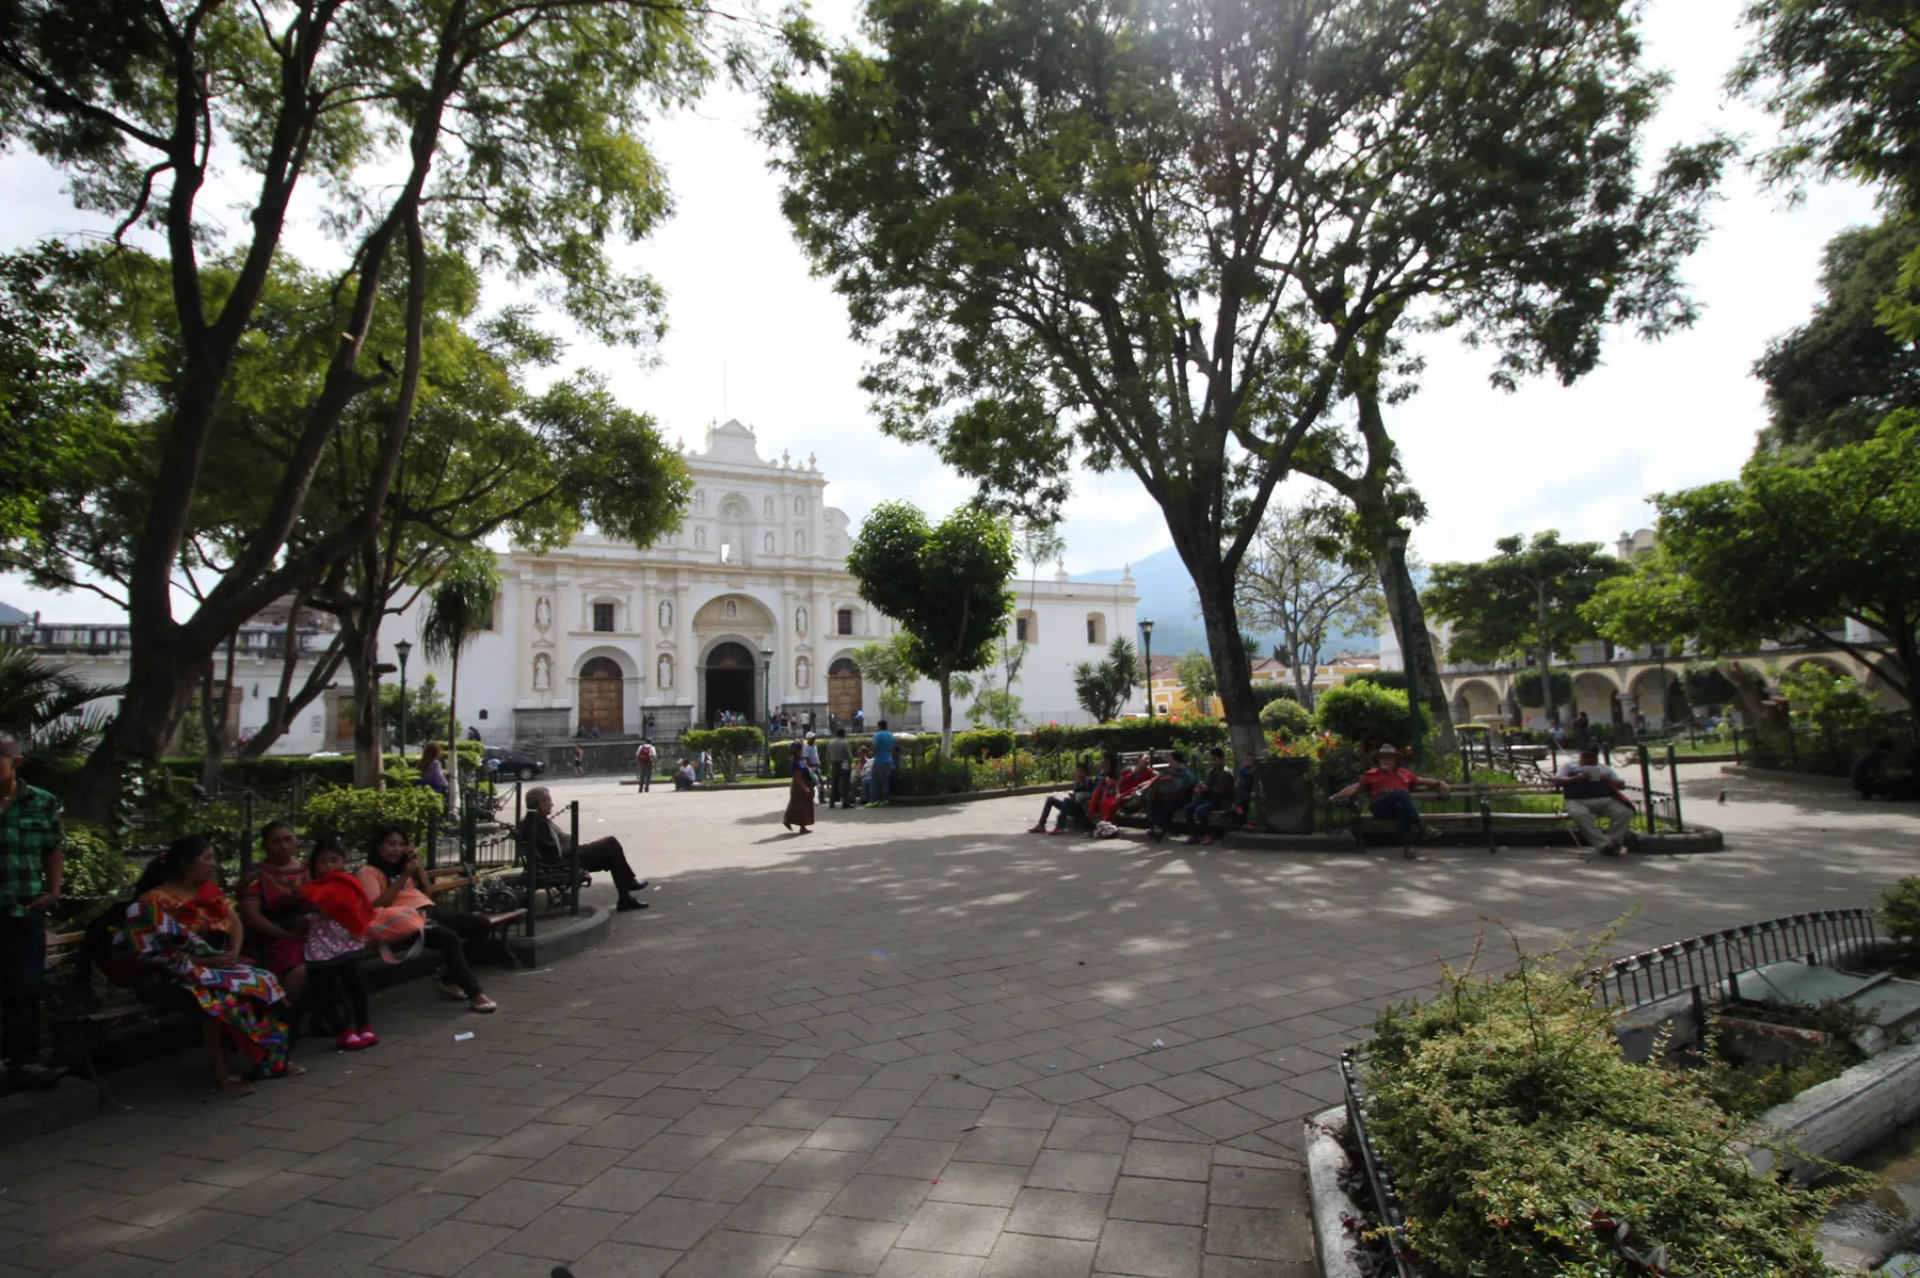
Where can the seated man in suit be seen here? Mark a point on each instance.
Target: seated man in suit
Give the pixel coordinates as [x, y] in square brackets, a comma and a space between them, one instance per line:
[543, 834]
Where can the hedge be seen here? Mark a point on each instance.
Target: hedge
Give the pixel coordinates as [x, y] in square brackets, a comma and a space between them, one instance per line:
[273, 772]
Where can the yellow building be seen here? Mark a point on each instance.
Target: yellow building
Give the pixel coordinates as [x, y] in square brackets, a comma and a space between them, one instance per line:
[1170, 700]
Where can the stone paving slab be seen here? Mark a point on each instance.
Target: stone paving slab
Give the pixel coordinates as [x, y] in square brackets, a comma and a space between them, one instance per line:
[915, 1043]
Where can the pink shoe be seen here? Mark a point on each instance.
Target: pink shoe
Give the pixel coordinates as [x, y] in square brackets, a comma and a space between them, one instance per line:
[368, 1038]
[348, 1042]
[1037, 829]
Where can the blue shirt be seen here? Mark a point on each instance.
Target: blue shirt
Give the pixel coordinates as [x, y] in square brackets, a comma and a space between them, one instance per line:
[883, 746]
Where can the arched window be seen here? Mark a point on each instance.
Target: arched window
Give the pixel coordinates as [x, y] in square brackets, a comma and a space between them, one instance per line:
[663, 671]
[1097, 627]
[845, 622]
[802, 670]
[799, 543]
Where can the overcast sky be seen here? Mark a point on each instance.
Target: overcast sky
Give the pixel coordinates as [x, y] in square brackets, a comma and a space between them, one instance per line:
[753, 336]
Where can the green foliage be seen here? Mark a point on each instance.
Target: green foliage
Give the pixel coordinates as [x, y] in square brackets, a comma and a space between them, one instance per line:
[44, 705]
[1130, 735]
[885, 662]
[1507, 1112]
[1831, 702]
[945, 584]
[1103, 687]
[1526, 686]
[728, 745]
[1194, 670]
[1366, 715]
[94, 866]
[1900, 909]
[426, 711]
[1786, 551]
[354, 815]
[1707, 684]
[1268, 690]
[1396, 679]
[1524, 600]
[1304, 580]
[1833, 380]
[983, 743]
[1288, 718]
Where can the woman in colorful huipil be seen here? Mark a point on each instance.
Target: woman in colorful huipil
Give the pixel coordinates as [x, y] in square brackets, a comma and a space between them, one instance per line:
[184, 936]
[272, 912]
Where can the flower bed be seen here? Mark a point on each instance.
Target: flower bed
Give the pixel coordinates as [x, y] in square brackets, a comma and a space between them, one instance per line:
[1515, 1128]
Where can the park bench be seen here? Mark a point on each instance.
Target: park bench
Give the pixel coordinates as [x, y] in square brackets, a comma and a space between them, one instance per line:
[1477, 811]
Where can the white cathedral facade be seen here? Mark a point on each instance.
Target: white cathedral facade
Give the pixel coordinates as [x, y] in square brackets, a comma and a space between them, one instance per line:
[748, 607]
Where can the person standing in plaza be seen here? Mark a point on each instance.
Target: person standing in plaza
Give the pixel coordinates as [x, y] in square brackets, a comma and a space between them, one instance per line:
[881, 772]
[32, 863]
[800, 792]
[840, 759]
[1594, 793]
[643, 764]
[811, 752]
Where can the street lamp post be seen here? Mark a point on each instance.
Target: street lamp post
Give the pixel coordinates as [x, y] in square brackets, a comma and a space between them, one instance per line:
[766, 703]
[1397, 548]
[403, 650]
[1146, 636]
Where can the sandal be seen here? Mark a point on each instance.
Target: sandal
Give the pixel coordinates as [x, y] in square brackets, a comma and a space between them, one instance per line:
[453, 991]
[232, 1087]
[481, 1003]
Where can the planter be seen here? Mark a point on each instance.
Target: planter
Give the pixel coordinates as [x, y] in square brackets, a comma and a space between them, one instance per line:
[1837, 1119]
[1288, 794]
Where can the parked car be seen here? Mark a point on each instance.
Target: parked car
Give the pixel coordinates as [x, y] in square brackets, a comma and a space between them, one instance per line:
[505, 765]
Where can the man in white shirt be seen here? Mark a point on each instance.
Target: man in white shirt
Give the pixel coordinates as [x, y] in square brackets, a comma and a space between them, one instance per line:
[643, 763]
[1594, 794]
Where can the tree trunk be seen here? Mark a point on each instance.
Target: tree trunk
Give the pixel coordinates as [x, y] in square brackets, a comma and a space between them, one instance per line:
[368, 757]
[453, 726]
[1545, 658]
[159, 683]
[217, 728]
[1232, 672]
[946, 713]
[1416, 645]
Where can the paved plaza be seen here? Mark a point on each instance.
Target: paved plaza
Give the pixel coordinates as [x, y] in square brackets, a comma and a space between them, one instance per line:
[918, 1043]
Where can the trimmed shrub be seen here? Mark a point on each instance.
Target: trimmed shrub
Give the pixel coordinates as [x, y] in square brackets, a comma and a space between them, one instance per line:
[1366, 714]
[1268, 691]
[729, 746]
[1379, 679]
[1288, 718]
[1900, 909]
[1509, 1116]
[983, 743]
[354, 816]
[1526, 686]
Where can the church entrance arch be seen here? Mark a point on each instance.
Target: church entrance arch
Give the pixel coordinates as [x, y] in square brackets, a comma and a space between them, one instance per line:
[602, 697]
[729, 683]
[844, 691]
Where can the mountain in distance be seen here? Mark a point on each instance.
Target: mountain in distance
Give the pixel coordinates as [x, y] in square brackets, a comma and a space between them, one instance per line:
[1167, 599]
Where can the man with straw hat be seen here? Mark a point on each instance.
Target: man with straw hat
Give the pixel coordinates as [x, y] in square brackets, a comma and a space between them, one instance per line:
[1389, 789]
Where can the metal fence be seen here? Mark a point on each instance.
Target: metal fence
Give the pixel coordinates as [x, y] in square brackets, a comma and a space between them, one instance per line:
[1391, 1213]
[1704, 966]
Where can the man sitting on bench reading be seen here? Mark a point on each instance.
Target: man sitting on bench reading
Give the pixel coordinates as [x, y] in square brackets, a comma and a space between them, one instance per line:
[1389, 791]
[605, 856]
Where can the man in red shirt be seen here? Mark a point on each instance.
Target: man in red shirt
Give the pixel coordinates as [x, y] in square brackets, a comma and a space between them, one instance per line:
[1389, 787]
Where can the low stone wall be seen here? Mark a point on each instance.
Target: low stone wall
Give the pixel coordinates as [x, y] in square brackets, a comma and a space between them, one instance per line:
[1842, 1116]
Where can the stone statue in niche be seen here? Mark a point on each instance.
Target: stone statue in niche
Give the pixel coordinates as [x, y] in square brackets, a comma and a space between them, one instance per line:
[542, 613]
[731, 609]
[767, 543]
[800, 620]
[799, 543]
[801, 670]
[542, 673]
[666, 617]
[766, 508]
[663, 672]
[700, 538]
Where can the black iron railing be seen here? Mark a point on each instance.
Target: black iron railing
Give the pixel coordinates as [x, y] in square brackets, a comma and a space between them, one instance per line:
[1709, 964]
[1386, 1199]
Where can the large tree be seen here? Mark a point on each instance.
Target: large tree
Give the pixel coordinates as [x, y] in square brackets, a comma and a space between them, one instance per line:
[1144, 234]
[1792, 553]
[946, 585]
[509, 128]
[1303, 580]
[1524, 602]
[1834, 379]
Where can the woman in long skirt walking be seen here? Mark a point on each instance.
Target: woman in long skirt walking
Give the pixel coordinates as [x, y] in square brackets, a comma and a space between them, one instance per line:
[800, 792]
